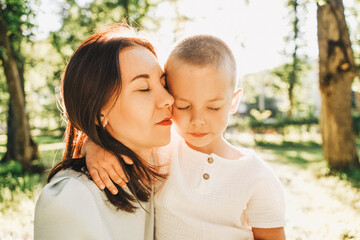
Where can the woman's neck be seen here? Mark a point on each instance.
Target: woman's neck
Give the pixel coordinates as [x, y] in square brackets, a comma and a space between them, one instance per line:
[144, 154]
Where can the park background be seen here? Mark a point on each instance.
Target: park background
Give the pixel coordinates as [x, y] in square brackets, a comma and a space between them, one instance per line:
[276, 45]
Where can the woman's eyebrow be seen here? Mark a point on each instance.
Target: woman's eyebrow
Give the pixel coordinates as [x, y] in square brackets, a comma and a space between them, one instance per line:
[141, 76]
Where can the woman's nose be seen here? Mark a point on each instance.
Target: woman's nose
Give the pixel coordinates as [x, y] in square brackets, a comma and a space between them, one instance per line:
[165, 99]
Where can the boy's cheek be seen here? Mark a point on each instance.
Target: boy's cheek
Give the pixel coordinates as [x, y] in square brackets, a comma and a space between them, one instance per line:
[180, 121]
[178, 116]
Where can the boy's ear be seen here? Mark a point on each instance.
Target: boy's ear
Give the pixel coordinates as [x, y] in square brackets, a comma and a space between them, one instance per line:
[235, 100]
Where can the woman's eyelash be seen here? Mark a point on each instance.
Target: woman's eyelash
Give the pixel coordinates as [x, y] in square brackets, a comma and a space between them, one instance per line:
[145, 90]
[166, 84]
[214, 109]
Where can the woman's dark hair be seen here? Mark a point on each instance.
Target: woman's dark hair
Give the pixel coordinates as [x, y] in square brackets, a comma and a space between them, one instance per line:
[91, 78]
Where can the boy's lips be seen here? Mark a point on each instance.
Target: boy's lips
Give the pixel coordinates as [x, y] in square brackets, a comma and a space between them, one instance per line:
[165, 122]
[198, 135]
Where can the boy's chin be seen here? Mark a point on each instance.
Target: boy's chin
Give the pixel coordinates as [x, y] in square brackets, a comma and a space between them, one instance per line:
[196, 144]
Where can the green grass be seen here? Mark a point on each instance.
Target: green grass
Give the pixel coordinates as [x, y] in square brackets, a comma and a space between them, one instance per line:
[308, 155]
[301, 157]
[47, 139]
[288, 144]
[350, 174]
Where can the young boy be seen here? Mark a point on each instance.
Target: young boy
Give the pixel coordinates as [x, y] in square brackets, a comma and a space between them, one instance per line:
[214, 190]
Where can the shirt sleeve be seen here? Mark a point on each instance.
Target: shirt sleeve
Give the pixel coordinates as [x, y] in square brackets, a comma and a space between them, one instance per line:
[66, 209]
[266, 207]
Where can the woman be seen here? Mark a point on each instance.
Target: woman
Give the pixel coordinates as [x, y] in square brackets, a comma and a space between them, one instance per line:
[113, 92]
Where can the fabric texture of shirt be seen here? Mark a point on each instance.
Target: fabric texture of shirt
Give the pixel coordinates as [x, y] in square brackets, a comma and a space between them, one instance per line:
[72, 207]
[207, 196]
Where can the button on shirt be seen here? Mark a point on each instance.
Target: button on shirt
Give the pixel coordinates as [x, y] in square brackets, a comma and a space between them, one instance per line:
[206, 196]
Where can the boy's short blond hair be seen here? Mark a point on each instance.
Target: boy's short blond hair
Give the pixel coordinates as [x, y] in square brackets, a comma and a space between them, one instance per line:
[202, 51]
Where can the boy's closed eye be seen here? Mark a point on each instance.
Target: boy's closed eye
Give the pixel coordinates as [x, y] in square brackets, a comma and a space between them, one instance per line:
[214, 108]
[183, 107]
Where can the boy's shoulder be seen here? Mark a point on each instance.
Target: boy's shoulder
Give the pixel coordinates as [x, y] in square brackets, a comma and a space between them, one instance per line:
[251, 157]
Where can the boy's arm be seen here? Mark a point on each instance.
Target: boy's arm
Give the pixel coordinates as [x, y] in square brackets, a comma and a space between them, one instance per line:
[104, 167]
[269, 233]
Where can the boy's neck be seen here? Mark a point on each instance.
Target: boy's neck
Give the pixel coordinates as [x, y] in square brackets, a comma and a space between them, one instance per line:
[219, 147]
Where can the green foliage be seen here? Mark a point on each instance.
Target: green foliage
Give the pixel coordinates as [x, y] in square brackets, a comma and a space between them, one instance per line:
[80, 21]
[294, 70]
[48, 139]
[350, 174]
[260, 116]
[4, 98]
[13, 179]
[18, 17]
[356, 122]
[308, 155]
[288, 144]
[279, 124]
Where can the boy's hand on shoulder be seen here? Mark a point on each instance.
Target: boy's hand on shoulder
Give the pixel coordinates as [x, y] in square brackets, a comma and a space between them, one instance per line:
[104, 167]
[269, 233]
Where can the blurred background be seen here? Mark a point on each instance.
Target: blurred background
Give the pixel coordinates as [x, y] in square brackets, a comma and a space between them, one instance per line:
[298, 63]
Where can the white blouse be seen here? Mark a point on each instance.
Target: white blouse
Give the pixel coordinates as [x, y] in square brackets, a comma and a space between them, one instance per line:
[207, 196]
[72, 207]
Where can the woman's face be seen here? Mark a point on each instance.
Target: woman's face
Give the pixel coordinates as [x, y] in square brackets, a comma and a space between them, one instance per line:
[140, 116]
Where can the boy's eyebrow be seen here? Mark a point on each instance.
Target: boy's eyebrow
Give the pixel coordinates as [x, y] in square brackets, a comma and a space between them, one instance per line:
[216, 99]
[141, 76]
[212, 100]
[179, 98]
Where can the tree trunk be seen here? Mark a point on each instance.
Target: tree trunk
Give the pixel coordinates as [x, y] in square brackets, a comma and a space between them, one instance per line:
[293, 76]
[336, 74]
[20, 142]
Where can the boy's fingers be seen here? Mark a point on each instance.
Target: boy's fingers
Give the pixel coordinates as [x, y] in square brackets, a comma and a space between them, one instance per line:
[127, 160]
[108, 183]
[96, 178]
[120, 172]
[116, 178]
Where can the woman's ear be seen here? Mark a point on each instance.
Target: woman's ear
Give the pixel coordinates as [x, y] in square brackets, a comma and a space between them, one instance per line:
[103, 120]
[235, 100]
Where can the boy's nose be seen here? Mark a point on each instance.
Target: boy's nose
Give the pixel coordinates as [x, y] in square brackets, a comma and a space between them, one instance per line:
[197, 119]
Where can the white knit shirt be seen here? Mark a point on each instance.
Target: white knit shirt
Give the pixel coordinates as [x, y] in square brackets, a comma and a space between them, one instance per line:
[72, 207]
[207, 196]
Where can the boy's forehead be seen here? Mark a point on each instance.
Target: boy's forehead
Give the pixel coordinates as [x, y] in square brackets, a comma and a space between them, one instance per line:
[198, 85]
[189, 74]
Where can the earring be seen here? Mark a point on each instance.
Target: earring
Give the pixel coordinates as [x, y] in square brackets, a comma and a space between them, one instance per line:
[104, 124]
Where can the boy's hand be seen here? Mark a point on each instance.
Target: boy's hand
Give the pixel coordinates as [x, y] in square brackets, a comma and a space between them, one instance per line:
[104, 167]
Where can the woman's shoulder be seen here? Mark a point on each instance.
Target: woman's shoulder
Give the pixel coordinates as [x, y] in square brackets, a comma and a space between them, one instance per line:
[66, 183]
[68, 189]
[66, 201]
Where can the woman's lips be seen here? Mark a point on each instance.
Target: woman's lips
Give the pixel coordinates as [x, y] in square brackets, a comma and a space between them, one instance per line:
[165, 122]
[198, 135]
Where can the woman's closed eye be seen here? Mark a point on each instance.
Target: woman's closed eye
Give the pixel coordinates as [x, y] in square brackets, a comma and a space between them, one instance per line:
[145, 90]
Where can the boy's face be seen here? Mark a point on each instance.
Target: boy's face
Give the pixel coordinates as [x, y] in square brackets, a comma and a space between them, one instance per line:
[203, 100]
